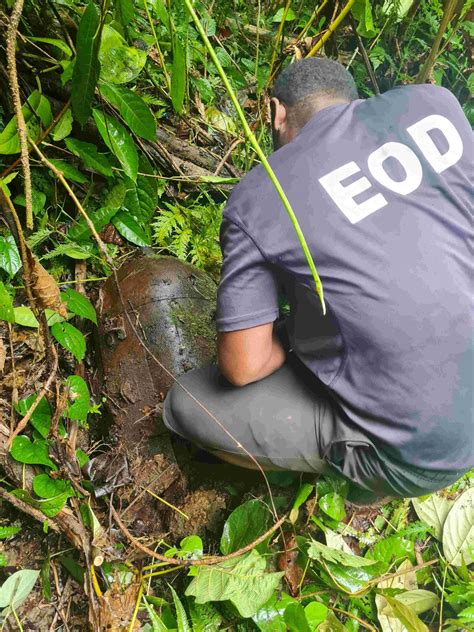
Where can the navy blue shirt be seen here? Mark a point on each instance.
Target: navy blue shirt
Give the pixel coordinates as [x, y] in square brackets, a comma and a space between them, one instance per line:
[382, 191]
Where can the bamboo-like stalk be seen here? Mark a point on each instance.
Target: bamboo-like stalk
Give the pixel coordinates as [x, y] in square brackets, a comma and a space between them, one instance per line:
[331, 28]
[276, 43]
[258, 150]
[429, 63]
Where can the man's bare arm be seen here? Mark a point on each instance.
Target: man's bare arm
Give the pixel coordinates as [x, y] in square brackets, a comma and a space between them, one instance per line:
[249, 355]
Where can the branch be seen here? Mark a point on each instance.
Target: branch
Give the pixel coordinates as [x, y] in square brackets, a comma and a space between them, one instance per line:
[429, 63]
[20, 120]
[207, 561]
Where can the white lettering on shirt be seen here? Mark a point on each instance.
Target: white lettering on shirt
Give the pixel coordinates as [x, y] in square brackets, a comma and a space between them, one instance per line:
[420, 134]
[407, 159]
[343, 195]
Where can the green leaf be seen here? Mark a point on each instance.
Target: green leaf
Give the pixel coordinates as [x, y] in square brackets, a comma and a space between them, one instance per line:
[63, 127]
[433, 510]
[6, 305]
[46, 487]
[333, 505]
[35, 111]
[79, 304]
[318, 551]
[68, 171]
[157, 624]
[162, 13]
[8, 532]
[270, 617]
[99, 218]
[301, 497]
[178, 73]
[362, 12]
[49, 506]
[90, 156]
[87, 66]
[10, 259]
[244, 525]
[393, 548]
[204, 617]
[396, 609]
[119, 63]
[332, 624]
[15, 590]
[295, 618]
[278, 17]
[81, 457]
[315, 613]
[467, 614]
[458, 530]
[132, 109]
[242, 580]
[181, 617]
[70, 338]
[79, 396]
[418, 600]
[36, 453]
[57, 43]
[353, 579]
[124, 11]
[24, 316]
[38, 200]
[41, 416]
[191, 547]
[129, 228]
[119, 141]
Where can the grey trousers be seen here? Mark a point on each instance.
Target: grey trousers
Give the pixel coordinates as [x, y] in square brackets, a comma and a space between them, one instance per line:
[288, 421]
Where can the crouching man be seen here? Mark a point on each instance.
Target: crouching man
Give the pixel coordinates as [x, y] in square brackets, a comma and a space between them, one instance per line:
[379, 389]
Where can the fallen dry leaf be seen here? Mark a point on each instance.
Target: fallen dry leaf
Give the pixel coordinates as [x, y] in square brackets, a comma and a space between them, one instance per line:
[44, 287]
[288, 563]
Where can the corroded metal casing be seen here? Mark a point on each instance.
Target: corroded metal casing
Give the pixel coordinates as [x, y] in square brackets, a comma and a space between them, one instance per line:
[172, 305]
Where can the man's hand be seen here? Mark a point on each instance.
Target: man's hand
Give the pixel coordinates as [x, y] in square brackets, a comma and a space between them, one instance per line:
[249, 355]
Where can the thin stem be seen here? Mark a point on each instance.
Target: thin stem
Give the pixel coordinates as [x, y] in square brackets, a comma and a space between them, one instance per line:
[158, 47]
[258, 150]
[332, 27]
[278, 38]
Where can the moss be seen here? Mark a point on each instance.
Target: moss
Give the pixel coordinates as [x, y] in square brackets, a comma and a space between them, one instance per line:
[196, 326]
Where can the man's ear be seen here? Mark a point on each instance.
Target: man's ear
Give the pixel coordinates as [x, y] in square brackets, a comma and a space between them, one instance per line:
[278, 112]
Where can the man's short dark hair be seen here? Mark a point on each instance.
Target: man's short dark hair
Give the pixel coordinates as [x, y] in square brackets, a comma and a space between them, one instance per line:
[306, 82]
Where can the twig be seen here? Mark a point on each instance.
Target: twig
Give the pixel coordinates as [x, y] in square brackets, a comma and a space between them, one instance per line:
[365, 57]
[20, 119]
[207, 561]
[445, 20]
[332, 27]
[366, 625]
[227, 154]
[25, 508]
[52, 376]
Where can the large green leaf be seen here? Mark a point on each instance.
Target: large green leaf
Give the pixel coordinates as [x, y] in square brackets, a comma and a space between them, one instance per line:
[31, 453]
[333, 505]
[64, 126]
[132, 108]
[87, 66]
[181, 616]
[15, 590]
[24, 316]
[244, 525]
[40, 418]
[301, 497]
[129, 228]
[6, 305]
[79, 396]
[119, 141]
[90, 156]
[99, 218]
[10, 259]
[433, 510]
[295, 618]
[458, 530]
[79, 304]
[418, 600]
[242, 580]
[35, 111]
[70, 338]
[119, 63]
[362, 12]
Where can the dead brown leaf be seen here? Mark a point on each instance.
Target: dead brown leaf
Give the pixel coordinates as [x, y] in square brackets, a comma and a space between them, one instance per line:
[3, 355]
[288, 562]
[44, 287]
